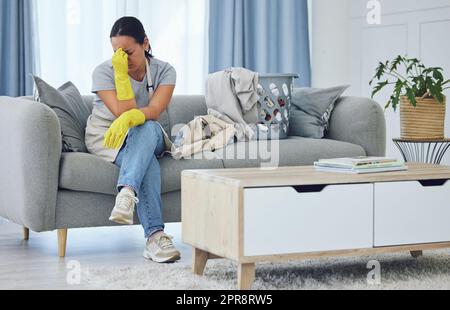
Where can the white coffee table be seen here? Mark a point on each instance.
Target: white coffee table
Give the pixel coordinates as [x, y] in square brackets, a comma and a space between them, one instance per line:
[292, 213]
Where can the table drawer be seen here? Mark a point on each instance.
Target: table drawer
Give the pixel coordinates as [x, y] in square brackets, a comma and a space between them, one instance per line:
[412, 213]
[288, 220]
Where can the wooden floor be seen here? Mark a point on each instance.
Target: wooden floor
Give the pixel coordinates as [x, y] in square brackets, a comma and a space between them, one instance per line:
[34, 264]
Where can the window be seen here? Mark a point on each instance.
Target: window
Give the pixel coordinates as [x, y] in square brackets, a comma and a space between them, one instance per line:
[74, 38]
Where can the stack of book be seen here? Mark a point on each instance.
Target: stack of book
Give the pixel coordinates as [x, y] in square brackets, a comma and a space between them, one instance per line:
[360, 165]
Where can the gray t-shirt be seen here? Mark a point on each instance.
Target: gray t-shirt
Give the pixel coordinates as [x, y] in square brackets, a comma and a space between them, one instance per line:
[162, 73]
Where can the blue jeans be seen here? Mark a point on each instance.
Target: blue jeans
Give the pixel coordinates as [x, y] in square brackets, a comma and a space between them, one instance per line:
[140, 170]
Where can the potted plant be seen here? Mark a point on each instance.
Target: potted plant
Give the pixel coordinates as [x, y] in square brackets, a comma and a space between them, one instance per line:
[419, 91]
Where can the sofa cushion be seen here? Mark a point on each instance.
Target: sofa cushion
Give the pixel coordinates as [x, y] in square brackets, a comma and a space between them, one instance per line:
[88, 173]
[84, 209]
[311, 111]
[295, 151]
[184, 109]
[89, 102]
[71, 110]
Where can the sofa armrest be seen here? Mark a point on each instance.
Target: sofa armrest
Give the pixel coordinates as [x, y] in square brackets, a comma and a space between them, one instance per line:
[30, 151]
[359, 121]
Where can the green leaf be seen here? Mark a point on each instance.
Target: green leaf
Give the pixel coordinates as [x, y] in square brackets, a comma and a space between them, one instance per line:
[410, 68]
[412, 62]
[436, 92]
[395, 63]
[428, 85]
[395, 98]
[438, 75]
[398, 87]
[395, 101]
[421, 87]
[411, 96]
[388, 104]
[379, 72]
[379, 87]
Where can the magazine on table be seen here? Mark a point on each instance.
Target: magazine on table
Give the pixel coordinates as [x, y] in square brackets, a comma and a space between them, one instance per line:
[361, 164]
[358, 161]
[362, 171]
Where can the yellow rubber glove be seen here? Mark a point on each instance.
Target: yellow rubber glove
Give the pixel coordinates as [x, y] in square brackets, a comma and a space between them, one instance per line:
[115, 136]
[121, 78]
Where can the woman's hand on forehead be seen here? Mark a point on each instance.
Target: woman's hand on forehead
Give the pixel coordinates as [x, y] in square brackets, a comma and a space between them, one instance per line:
[125, 50]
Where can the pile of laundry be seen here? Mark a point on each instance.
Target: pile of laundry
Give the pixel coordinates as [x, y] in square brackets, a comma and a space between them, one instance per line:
[231, 99]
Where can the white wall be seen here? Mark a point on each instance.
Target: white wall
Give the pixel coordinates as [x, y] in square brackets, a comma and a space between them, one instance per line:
[330, 41]
[413, 27]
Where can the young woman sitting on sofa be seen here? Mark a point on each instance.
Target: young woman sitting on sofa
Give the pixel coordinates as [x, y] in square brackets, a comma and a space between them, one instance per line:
[132, 90]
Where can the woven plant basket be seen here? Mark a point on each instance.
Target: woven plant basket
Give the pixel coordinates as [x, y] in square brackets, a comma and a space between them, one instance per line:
[426, 121]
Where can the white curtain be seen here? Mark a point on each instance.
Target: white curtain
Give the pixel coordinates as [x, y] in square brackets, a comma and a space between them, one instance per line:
[74, 38]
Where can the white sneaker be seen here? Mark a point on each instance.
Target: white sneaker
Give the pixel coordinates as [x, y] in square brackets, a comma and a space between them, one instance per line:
[160, 249]
[124, 209]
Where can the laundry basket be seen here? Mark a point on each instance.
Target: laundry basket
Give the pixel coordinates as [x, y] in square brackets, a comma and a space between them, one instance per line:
[275, 91]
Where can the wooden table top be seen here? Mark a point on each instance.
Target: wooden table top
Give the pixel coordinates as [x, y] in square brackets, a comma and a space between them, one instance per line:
[445, 140]
[307, 175]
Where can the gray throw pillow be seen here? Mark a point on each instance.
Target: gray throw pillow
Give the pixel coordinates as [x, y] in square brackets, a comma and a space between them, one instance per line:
[311, 110]
[71, 110]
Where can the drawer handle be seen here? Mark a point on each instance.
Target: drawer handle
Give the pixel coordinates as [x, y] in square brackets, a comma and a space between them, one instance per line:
[309, 188]
[431, 183]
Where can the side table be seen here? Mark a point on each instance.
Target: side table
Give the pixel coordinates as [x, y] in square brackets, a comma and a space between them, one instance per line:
[423, 151]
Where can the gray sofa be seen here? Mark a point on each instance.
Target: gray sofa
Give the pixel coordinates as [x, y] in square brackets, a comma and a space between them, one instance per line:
[43, 189]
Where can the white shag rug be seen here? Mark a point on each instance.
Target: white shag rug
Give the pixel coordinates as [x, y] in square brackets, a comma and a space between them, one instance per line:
[398, 271]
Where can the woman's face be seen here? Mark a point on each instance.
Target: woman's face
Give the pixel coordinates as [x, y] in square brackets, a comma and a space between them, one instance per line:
[135, 51]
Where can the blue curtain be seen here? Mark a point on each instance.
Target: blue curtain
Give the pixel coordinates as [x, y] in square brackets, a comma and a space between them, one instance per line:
[16, 47]
[266, 36]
